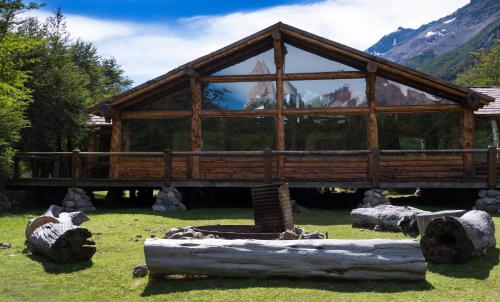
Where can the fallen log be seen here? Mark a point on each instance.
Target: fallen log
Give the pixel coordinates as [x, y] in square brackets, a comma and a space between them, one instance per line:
[454, 240]
[375, 259]
[57, 235]
[387, 218]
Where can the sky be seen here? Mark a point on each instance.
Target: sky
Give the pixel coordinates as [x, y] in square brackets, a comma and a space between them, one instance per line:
[150, 37]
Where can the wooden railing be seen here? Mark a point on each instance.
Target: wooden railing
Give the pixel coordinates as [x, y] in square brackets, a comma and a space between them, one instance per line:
[379, 162]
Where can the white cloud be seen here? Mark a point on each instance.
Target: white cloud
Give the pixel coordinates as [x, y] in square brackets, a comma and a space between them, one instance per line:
[146, 50]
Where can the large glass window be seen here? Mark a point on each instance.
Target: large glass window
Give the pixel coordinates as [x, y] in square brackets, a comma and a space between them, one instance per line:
[325, 93]
[329, 132]
[484, 133]
[237, 134]
[247, 95]
[156, 134]
[179, 99]
[389, 93]
[298, 60]
[437, 130]
[260, 64]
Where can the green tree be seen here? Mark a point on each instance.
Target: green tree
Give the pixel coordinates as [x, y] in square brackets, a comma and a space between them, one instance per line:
[67, 78]
[14, 95]
[486, 69]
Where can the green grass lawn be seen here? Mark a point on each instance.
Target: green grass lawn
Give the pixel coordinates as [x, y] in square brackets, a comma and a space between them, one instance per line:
[108, 276]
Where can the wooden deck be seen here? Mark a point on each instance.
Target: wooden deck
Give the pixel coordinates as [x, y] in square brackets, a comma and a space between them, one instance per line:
[359, 168]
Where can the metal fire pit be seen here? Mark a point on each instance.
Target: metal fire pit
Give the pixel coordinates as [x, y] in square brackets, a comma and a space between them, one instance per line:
[235, 232]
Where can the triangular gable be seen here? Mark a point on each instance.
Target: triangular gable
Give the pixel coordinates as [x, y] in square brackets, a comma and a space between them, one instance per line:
[262, 41]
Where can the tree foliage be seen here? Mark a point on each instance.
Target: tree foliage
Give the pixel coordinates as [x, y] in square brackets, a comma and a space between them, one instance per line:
[47, 82]
[486, 69]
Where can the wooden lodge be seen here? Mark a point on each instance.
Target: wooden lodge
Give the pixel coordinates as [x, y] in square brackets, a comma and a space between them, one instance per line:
[281, 105]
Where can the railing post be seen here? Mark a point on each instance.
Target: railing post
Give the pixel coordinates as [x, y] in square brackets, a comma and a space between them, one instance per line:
[492, 167]
[167, 168]
[375, 167]
[268, 166]
[16, 167]
[75, 167]
[56, 172]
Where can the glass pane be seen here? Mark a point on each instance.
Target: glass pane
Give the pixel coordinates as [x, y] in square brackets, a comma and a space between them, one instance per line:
[260, 64]
[237, 134]
[484, 133]
[156, 134]
[298, 60]
[389, 93]
[247, 95]
[325, 93]
[331, 132]
[437, 130]
[177, 100]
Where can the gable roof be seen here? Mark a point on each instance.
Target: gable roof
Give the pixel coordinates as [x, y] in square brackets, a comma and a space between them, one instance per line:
[262, 40]
[492, 110]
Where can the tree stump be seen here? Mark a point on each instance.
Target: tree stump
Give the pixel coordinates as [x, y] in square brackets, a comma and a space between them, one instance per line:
[387, 217]
[57, 235]
[374, 259]
[453, 240]
[424, 219]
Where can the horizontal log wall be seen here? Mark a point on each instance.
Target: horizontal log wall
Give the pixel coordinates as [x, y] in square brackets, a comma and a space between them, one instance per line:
[326, 168]
[406, 168]
[150, 168]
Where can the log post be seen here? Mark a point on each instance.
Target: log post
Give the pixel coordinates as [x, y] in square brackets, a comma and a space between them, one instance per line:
[167, 165]
[374, 259]
[75, 167]
[467, 142]
[58, 236]
[371, 68]
[279, 60]
[492, 167]
[56, 172]
[195, 138]
[452, 239]
[116, 132]
[375, 167]
[268, 166]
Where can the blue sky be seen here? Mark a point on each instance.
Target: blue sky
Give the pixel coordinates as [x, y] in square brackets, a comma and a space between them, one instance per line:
[160, 10]
[150, 37]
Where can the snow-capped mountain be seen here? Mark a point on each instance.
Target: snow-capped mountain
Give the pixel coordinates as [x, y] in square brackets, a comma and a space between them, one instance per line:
[417, 46]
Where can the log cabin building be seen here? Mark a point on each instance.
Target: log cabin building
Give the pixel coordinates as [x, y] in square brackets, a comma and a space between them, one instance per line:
[285, 105]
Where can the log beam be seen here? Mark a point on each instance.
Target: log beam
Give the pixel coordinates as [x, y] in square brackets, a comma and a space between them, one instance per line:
[279, 60]
[195, 139]
[374, 259]
[467, 142]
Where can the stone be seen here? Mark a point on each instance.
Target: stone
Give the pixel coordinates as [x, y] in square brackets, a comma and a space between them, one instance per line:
[77, 199]
[373, 198]
[158, 208]
[140, 270]
[492, 193]
[489, 201]
[289, 235]
[481, 204]
[482, 193]
[169, 199]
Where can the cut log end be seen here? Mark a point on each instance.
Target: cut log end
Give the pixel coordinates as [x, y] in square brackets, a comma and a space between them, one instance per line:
[452, 239]
[74, 246]
[445, 241]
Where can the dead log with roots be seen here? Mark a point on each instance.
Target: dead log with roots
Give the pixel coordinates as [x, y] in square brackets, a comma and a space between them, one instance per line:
[57, 235]
[452, 239]
[387, 218]
[374, 259]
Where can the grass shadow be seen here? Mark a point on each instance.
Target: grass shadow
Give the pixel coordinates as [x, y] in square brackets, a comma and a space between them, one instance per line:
[51, 267]
[166, 286]
[477, 268]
